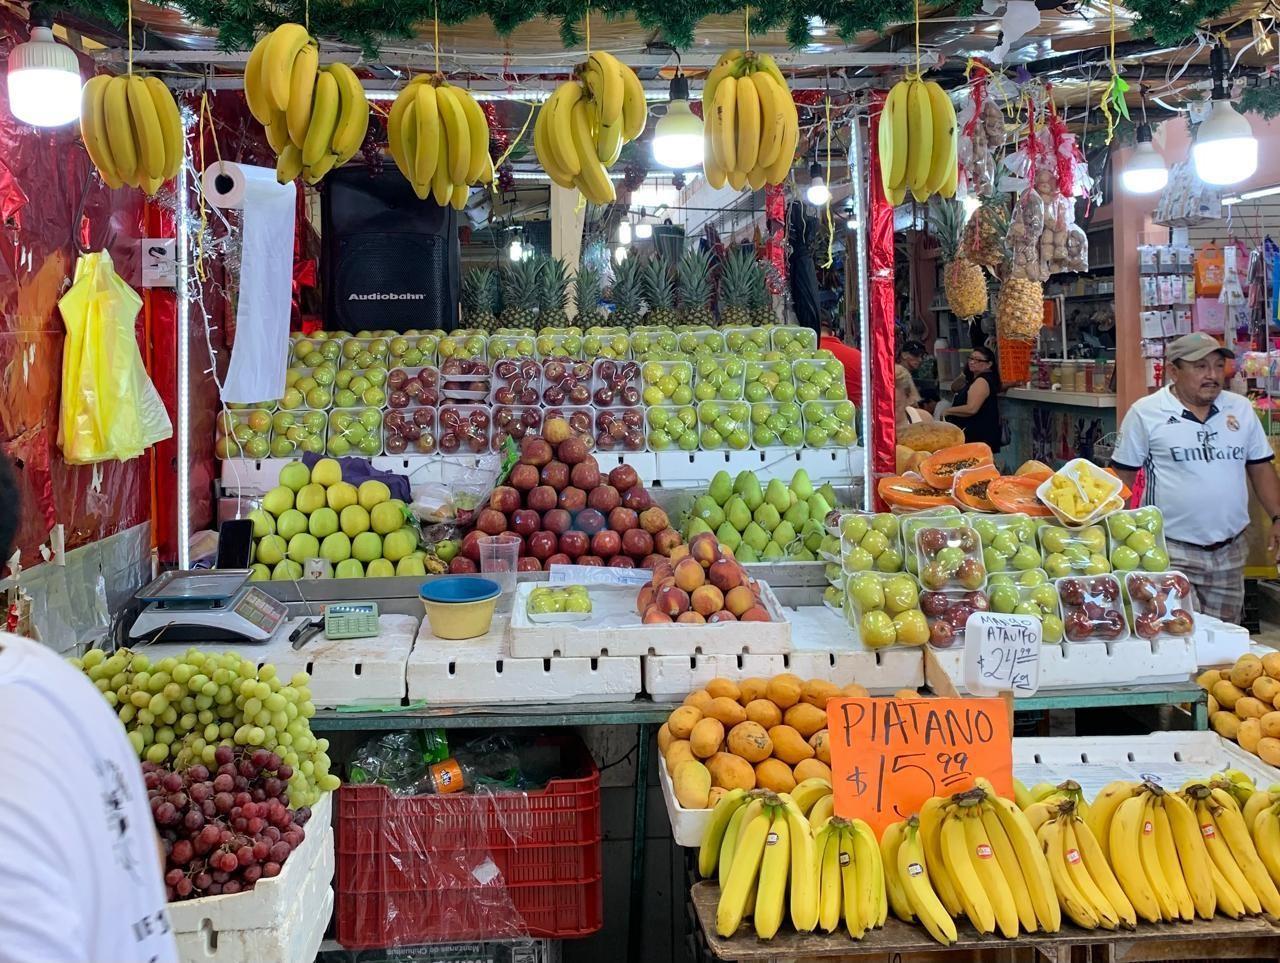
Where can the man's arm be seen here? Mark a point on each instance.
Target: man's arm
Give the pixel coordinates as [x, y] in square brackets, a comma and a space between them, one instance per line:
[1266, 485]
[1127, 475]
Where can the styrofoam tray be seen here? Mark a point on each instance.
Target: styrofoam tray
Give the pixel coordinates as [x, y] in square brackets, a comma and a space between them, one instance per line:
[281, 919]
[1218, 642]
[344, 672]
[482, 671]
[822, 647]
[615, 629]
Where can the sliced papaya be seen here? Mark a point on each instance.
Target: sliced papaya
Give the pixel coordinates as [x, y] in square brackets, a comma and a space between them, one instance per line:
[969, 487]
[1017, 494]
[930, 435]
[902, 491]
[1034, 469]
[940, 467]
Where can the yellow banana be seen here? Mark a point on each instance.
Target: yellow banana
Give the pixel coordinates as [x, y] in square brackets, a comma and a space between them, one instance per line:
[609, 143]
[302, 89]
[611, 91]
[943, 114]
[1104, 808]
[324, 119]
[426, 118]
[872, 897]
[959, 863]
[807, 794]
[1125, 846]
[777, 172]
[983, 859]
[896, 195]
[635, 111]
[1231, 825]
[314, 173]
[1254, 805]
[1150, 860]
[1228, 900]
[890, 841]
[931, 816]
[93, 129]
[774, 866]
[170, 124]
[1031, 859]
[288, 164]
[724, 127]
[478, 128]
[804, 872]
[893, 151]
[1191, 854]
[1266, 834]
[829, 894]
[395, 131]
[822, 810]
[441, 185]
[454, 121]
[851, 896]
[726, 66]
[1021, 795]
[728, 845]
[713, 836]
[277, 62]
[772, 118]
[1167, 853]
[710, 165]
[1038, 813]
[747, 119]
[542, 148]
[593, 178]
[952, 180]
[353, 116]
[924, 902]
[1086, 885]
[278, 132]
[1007, 865]
[560, 133]
[743, 873]
[1102, 875]
[1220, 854]
[409, 144]
[115, 102]
[255, 95]
[768, 65]
[919, 139]
[1070, 899]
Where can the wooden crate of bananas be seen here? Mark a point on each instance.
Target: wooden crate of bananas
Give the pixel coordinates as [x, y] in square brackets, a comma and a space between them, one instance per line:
[974, 866]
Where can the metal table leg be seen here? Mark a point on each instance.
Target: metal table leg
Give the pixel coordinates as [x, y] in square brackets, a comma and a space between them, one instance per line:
[635, 926]
[1200, 713]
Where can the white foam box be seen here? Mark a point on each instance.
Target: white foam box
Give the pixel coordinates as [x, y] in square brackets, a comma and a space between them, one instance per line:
[344, 672]
[483, 671]
[822, 647]
[615, 629]
[1083, 665]
[1218, 642]
[282, 919]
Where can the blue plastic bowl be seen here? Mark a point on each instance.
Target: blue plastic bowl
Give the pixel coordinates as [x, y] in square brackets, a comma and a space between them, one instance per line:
[460, 606]
[459, 588]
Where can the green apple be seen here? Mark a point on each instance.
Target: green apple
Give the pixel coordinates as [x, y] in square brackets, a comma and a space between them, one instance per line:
[867, 591]
[1121, 525]
[1004, 598]
[303, 546]
[1149, 518]
[986, 530]
[900, 595]
[886, 524]
[341, 495]
[446, 550]
[380, 568]
[1032, 578]
[278, 501]
[854, 527]
[1006, 543]
[874, 543]
[286, 570]
[366, 547]
[290, 523]
[1156, 560]
[911, 627]
[264, 523]
[336, 547]
[310, 498]
[1025, 558]
[1045, 596]
[1097, 565]
[1125, 559]
[1140, 541]
[1052, 628]
[993, 560]
[323, 522]
[271, 549]
[890, 560]
[348, 568]
[1057, 565]
[1027, 608]
[354, 520]
[858, 559]
[259, 572]
[1054, 539]
[878, 629]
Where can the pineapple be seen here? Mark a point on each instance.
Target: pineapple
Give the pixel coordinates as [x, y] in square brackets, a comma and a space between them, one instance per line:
[628, 294]
[479, 299]
[761, 301]
[660, 291]
[737, 280]
[1020, 309]
[588, 292]
[962, 279]
[520, 294]
[553, 294]
[693, 288]
[983, 239]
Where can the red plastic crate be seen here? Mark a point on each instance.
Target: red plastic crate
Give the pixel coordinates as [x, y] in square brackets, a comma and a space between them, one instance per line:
[422, 869]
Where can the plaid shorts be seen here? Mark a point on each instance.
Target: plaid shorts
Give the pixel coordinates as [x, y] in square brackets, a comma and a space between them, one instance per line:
[1216, 576]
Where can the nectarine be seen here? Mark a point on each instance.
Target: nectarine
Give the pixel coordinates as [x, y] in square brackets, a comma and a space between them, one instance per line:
[654, 614]
[725, 574]
[672, 599]
[691, 616]
[706, 599]
[755, 614]
[689, 575]
[724, 615]
[739, 599]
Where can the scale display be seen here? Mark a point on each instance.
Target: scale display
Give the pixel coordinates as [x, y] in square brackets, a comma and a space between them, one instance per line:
[213, 606]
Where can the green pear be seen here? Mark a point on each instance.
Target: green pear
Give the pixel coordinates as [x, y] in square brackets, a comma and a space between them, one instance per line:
[812, 534]
[784, 534]
[745, 554]
[801, 485]
[818, 507]
[829, 493]
[803, 554]
[772, 552]
[755, 537]
[706, 508]
[721, 487]
[697, 526]
[797, 514]
[736, 513]
[767, 517]
[726, 534]
[778, 495]
[748, 486]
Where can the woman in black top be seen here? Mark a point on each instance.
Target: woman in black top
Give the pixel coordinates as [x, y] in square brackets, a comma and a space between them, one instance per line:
[975, 409]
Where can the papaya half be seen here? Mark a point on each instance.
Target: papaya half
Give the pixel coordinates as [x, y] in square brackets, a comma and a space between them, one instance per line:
[940, 467]
[1013, 494]
[969, 487]
[902, 491]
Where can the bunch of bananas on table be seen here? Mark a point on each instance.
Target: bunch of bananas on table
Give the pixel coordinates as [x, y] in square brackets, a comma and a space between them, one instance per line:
[132, 130]
[439, 138]
[316, 117]
[581, 129]
[752, 126]
[918, 142]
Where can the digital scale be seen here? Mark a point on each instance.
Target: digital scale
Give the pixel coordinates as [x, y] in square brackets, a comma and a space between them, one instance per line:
[215, 605]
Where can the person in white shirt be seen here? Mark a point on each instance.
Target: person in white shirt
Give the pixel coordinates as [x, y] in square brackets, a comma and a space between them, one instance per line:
[80, 871]
[1196, 446]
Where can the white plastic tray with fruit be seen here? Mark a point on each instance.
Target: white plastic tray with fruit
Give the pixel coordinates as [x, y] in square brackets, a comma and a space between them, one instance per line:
[1137, 540]
[950, 558]
[1163, 604]
[672, 426]
[561, 603]
[365, 353]
[355, 431]
[311, 351]
[945, 517]
[510, 346]
[948, 613]
[1080, 493]
[775, 425]
[718, 379]
[615, 384]
[819, 379]
[871, 540]
[1028, 593]
[1092, 609]
[410, 430]
[407, 387]
[724, 425]
[412, 349]
[1074, 551]
[606, 342]
[1008, 542]
[702, 341]
[566, 381]
[829, 424]
[667, 382]
[886, 610]
[245, 433]
[793, 340]
[516, 382]
[746, 342]
[769, 381]
[654, 344]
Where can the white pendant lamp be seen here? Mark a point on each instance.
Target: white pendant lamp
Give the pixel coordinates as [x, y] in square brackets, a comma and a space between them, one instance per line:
[1145, 172]
[677, 137]
[817, 193]
[1225, 150]
[44, 77]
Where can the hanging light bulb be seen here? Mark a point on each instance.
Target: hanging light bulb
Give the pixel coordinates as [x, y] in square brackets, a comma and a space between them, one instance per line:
[619, 254]
[515, 250]
[1225, 150]
[850, 219]
[1145, 173]
[817, 193]
[624, 232]
[44, 76]
[644, 230]
[677, 137]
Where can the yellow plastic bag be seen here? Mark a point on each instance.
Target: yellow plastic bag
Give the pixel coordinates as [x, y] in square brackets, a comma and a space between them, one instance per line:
[110, 408]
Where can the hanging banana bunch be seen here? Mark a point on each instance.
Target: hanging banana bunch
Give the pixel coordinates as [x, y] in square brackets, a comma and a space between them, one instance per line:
[316, 117]
[132, 130]
[751, 123]
[581, 129]
[439, 138]
[917, 142]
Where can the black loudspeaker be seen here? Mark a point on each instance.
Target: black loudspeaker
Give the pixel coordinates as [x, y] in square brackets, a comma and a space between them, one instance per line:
[388, 260]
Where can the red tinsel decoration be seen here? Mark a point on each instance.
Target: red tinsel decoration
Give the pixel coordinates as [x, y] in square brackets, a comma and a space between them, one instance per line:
[774, 247]
[499, 138]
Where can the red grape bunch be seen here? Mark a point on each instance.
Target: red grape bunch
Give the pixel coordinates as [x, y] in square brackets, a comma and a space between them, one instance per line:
[224, 830]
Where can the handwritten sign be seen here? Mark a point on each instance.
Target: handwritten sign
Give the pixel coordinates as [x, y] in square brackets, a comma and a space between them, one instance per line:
[888, 756]
[1002, 654]
[597, 575]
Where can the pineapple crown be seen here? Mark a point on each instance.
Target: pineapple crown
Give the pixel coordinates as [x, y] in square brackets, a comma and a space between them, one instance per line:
[659, 287]
[739, 277]
[520, 284]
[628, 292]
[946, 217]
[588, 289]
[554, 284]
[693, 279]
[479, 291]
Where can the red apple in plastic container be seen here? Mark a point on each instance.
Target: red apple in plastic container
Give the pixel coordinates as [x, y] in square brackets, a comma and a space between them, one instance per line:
[941, 634]
[933, 604]
[574, 543]
[1180, 622]
[590, 520]
[424, 417]
[1147, 625]
[542, 545]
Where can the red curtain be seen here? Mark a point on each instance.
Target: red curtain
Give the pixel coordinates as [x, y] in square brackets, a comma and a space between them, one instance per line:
[880, 326]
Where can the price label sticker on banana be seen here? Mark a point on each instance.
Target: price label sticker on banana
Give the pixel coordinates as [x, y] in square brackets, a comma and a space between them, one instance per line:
[1002, 654]
[890, 756]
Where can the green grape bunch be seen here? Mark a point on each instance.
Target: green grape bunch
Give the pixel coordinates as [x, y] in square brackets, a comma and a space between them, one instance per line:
[178, 711]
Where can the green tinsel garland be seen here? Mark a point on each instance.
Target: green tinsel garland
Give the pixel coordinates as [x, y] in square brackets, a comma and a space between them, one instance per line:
[370, 22]
[1264, 101]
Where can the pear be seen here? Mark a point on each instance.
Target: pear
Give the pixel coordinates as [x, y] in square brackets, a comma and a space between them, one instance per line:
[784, 534]
[755, 537]
[748, 486]
[697, 526]
[767, 517]
[736, 513]
[803, 554]
[778, 495]
[721, 487]
[801, 485]
[745, 554]
[772, 552]
[818, 507]
[829, 493]
[797, 514]
[812, 533]
[708, 509]
[726, 534]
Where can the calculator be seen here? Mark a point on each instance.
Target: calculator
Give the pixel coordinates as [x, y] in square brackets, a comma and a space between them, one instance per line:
[350, 620]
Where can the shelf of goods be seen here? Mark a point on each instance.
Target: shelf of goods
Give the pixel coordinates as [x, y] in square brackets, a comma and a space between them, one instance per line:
[1081, 399]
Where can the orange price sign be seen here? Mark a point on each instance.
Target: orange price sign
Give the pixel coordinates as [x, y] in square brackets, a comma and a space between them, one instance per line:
[889, 756]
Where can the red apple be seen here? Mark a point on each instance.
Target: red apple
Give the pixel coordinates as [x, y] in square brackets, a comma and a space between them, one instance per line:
[665, 541]
[559, 558]
[653, 520]
[571, 451]
[606, 544]
[941, 634]
[651, 561]
[573, 499]
[585, 474]
[636, 542]
[534, 451]
[637, 498]
[603, 498]
[461, 565]
[543, 544]
[591, 560]
[528, 565]
[590, 521]
[542, 499]
[491, 522]
[620, 519]
[555, 474]
[504, 499]
[525, 521]
[470, 546]
[557, 520]
[621, 561]
[623, 477]
[523, 477]
[575, 544]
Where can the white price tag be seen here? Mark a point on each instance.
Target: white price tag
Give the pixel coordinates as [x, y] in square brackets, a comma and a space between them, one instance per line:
[597, 575]
[1002, 654]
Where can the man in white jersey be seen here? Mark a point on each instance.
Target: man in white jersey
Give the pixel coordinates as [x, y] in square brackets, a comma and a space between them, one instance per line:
[1196, 446]
[80, 875]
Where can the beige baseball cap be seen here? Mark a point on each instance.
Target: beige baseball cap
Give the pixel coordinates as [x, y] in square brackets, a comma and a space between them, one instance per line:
[1194, 347]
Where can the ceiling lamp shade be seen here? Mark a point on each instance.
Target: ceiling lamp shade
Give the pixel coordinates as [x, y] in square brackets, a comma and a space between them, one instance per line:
[1145, 173]
[1225, 151]
[677, 137]
[817, 193]
[44, 77]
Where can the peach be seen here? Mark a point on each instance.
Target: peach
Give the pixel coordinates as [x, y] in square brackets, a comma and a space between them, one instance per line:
[655, 615]
[704, 548]
[662, 569]
[739, 600]
[691, 616]
[660, 583]
[724, 615]
[707, 599]
[755, 614]
[725, 574]
[644, 598]
[672, 599]
[689, 575]
[678, 553]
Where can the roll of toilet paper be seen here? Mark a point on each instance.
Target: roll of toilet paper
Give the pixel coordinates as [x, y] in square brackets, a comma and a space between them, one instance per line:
[225, 184]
